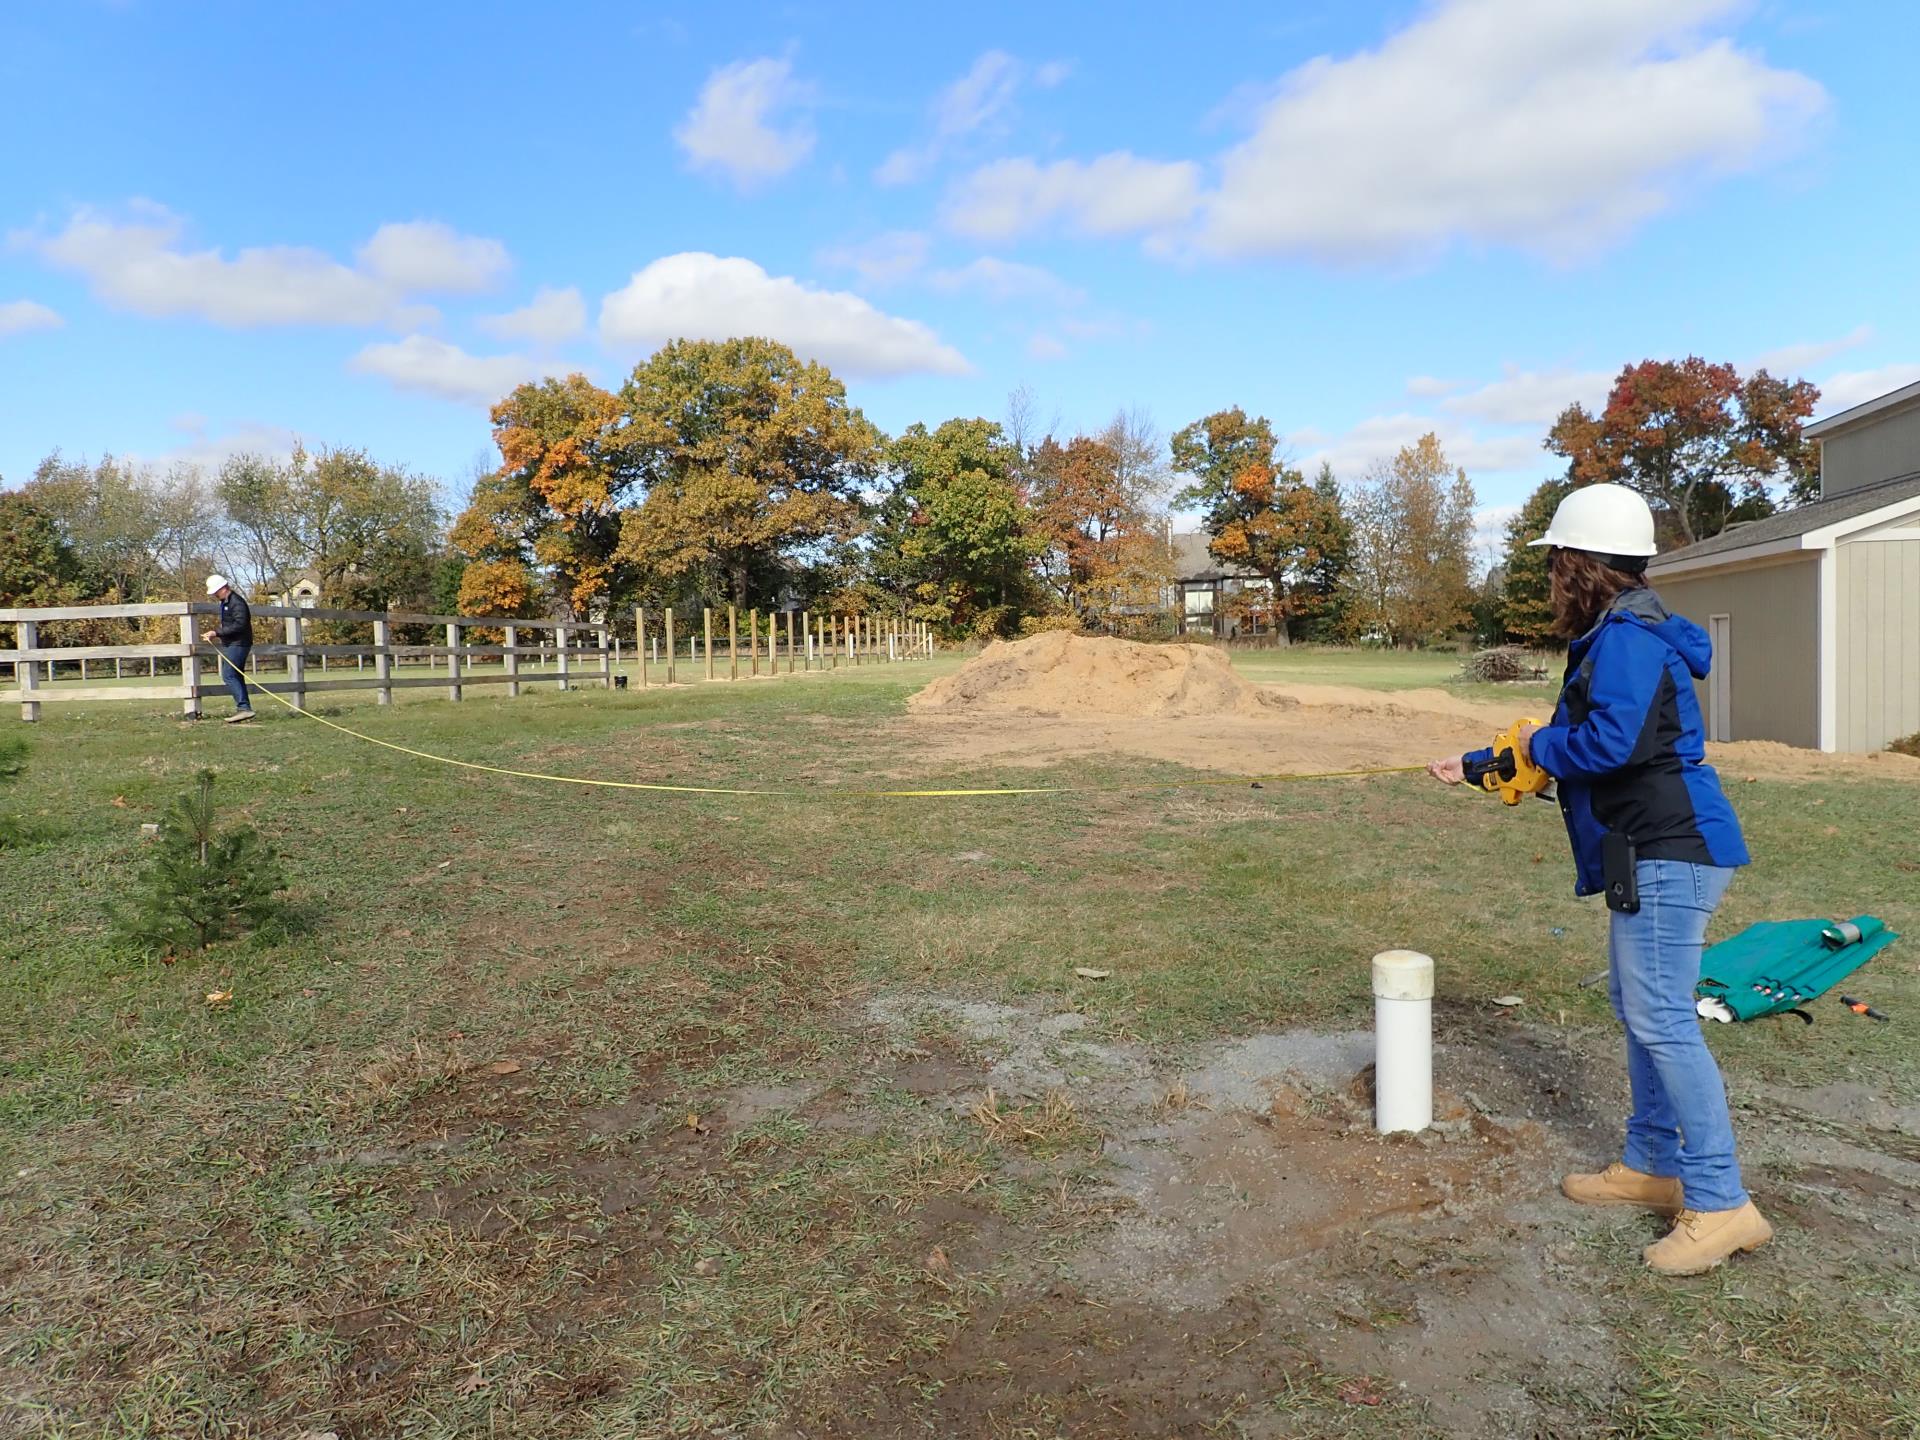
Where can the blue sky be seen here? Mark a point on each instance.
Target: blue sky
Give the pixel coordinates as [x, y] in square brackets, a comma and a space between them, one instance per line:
[227, 225]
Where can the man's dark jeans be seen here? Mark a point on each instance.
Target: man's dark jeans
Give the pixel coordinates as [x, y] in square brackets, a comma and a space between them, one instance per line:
[234, 671]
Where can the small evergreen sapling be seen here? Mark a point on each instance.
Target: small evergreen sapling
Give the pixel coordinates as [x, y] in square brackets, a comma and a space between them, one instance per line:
[201, 884]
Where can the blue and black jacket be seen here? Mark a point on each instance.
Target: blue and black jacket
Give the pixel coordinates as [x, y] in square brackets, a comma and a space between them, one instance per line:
[1627, 745]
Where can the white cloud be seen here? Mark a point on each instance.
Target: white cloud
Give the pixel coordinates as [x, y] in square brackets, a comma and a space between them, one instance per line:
[1855, 387]
[136, 261]
[1789, 361]
[978, 99]
[552, 317]
[1430, 385]
[1005, 280]
[208, 452]
[1532, 397]
[1046, 347]
[17, 317]
[700, 296]
[434, 367]
[1052, 73]
[1490, 529]
[886, 259]
[1379, 437]
[1115, 194]
[425, 255]
[1554, 128]
[735, 125]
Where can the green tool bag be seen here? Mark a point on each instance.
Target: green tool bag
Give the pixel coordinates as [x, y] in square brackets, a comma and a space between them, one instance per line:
[1779, 965]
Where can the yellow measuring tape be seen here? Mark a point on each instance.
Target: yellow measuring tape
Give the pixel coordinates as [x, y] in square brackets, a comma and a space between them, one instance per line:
[814, 794]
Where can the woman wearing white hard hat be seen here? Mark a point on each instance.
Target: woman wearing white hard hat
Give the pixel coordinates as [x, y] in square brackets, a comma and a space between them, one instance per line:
[233, 638]
[1652, 830]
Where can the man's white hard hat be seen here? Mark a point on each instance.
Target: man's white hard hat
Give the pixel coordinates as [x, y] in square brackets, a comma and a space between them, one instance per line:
[217, 583]
[1603, 519]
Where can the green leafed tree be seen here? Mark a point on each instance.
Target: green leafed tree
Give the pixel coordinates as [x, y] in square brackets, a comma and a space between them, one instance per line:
[1410, 579]
[1527, 594]
[748, 455]
[136, 533]
[37, 565]
[1320, 592]
[201, 884]
[366, 532]
[954, 540]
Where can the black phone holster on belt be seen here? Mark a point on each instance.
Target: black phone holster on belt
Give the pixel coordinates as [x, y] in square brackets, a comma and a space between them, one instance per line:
[1618, 859]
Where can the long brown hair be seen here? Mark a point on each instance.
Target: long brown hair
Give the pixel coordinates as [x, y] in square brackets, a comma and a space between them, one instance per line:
[1584, 586]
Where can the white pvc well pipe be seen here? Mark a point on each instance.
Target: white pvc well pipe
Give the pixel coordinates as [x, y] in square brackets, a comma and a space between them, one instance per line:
[1403, 1040]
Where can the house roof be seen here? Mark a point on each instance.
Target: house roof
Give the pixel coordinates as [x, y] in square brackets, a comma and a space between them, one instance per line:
[1864, 411]
[1802, 520]
[1192, 561]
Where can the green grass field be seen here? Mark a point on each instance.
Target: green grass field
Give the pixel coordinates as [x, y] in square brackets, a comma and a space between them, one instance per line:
[566, 1114]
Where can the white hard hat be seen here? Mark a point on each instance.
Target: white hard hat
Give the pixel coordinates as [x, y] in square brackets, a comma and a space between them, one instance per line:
[216, 583]
[1603, 519]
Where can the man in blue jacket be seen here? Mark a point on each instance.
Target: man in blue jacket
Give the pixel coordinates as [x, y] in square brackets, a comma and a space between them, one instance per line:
[233, 639]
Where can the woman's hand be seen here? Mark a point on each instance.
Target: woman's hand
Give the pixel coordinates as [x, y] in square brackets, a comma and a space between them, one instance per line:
[1524, 739]
[1447, 768]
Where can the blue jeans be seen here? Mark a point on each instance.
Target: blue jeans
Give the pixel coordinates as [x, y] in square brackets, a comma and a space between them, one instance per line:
[1680, 1124]
[234, 671]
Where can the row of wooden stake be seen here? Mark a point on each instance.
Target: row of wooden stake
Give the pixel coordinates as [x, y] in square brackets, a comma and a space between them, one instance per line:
[822, 641]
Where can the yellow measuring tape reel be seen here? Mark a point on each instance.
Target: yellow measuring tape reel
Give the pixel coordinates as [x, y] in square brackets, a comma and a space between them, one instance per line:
[813, 794]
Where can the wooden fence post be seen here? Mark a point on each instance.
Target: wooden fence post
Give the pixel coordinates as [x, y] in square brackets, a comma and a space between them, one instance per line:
[670, 669]
[706, 614]
[605, 634]
[806, 629]
[560, 654]
[189, 669]
[296, 662]
[753, 640]
[733, 646]
[510, 659]
[789, 642]
[383, 662]
[640, 641]
[26, 673]
[453, 662]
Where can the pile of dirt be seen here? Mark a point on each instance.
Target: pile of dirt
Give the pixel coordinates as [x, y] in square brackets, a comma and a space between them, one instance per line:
[1061, 674]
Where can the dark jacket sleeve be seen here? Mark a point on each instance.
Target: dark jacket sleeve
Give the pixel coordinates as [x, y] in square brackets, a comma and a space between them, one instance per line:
[1628, 665]
[236, 620]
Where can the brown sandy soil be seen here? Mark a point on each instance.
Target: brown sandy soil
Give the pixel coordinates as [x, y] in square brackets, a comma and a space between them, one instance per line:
[1770, 760]
[1076, 697]
[1061, 674]
[1248, 1236]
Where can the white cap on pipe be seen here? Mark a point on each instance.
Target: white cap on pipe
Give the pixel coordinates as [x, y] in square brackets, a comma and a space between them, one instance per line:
[1402, 975]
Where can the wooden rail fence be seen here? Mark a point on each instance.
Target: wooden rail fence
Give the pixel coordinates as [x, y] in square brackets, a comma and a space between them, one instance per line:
[805, 641]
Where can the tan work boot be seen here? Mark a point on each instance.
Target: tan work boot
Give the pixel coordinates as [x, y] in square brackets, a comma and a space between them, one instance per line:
[1701, 1239]
[1620, 1184]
